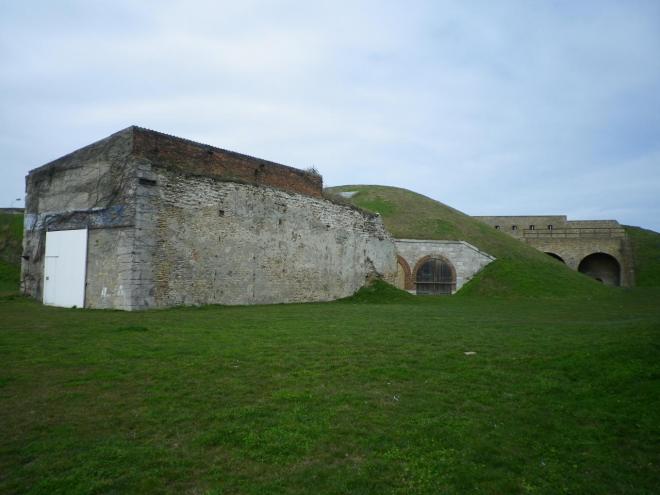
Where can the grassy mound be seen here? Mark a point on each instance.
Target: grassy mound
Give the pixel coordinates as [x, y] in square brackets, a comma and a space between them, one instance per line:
[11, 240]
[646, 252]
[380, 292]
[520, 270]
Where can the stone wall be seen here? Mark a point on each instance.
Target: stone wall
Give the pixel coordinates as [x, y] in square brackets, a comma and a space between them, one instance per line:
[466, 259]
[230, 243]
[175, 222]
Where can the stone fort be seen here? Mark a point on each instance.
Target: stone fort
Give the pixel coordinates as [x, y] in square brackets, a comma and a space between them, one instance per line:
[142, 219]
[598, 248]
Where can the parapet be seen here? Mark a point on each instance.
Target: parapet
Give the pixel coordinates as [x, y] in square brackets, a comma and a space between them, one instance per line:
[194, 158]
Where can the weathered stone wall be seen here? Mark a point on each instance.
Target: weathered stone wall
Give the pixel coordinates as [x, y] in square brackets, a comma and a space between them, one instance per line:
[90, 188]
[466, 259]
[230, 243]
[109, 277]
[517, 225]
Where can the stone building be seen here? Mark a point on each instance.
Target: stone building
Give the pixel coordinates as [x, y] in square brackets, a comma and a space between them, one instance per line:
[142, 219]
[598, 248]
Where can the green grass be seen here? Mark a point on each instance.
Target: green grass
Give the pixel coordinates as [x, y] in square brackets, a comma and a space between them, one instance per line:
[519, 270]
[11, 238]
[370, 395]
[646, 252]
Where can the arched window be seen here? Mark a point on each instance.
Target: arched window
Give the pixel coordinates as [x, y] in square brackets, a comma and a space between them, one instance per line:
[435, 276]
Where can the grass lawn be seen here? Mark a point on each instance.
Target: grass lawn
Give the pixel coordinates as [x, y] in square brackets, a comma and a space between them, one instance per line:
[373, 395]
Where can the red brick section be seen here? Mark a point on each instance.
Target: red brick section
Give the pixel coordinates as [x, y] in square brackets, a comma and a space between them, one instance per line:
[408, 281]
[201, 159]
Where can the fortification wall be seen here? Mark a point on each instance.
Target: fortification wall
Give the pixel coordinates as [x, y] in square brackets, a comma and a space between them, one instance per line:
[573, 250]
[223, 242]
[193, 158]
[571, 240]
[466, 259]
[517, 225]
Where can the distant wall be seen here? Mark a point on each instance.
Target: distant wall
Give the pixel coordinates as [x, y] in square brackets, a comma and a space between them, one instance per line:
[222, 242]
[466, 259]
[571, 240]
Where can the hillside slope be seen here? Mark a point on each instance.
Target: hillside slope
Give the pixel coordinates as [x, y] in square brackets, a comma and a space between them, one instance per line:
[520, 270]
[646, 252]
[11, 239]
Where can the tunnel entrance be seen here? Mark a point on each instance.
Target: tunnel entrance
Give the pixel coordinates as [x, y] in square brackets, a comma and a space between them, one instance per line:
[556, 256]
[435, 276]
[603, 267]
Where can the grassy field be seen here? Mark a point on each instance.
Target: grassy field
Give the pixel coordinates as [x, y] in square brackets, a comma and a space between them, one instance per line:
[371, 395]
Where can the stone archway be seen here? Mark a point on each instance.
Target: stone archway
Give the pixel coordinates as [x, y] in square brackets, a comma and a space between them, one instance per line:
[603, 267]
[434, 275]
[555, 256]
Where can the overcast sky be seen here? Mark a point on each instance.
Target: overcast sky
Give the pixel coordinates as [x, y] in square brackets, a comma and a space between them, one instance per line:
[493, 107]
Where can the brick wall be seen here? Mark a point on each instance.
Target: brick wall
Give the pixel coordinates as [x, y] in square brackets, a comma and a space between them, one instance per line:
[193, 158]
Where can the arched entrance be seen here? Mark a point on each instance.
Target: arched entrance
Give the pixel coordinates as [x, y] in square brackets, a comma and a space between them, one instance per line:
[434, 275]
[603, 267]
[555, 256]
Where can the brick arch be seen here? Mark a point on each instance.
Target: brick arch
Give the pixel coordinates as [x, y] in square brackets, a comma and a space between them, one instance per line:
[429, 257]
[408, 283]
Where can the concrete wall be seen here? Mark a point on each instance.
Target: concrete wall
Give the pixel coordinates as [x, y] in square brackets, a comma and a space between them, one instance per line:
[91, 188]
[229, 243]
[466, 259]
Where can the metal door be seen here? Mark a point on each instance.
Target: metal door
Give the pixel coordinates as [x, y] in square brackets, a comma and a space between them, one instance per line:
[65, 267]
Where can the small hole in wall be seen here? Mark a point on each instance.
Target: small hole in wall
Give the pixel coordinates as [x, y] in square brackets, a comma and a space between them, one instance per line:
[221, 213]
[279, 222]
[146, 182]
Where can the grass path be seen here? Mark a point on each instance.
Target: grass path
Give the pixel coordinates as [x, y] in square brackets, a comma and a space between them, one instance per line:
[562, 396]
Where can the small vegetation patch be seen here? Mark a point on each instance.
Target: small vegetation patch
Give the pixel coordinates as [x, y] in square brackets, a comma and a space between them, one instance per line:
[380, 292]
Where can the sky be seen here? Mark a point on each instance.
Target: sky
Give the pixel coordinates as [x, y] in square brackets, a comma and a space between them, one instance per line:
[494, 108]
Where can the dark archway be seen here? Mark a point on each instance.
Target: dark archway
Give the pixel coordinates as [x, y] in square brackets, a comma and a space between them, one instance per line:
[556, 256]
[603, 267]
[434, 275]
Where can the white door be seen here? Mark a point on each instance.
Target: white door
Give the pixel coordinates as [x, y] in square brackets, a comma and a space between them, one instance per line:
[64, 268]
